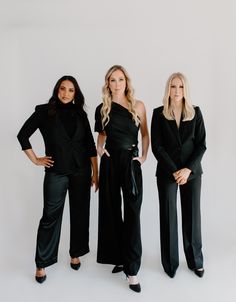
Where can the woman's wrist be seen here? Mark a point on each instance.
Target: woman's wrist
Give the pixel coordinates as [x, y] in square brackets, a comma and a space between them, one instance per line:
[100, 150]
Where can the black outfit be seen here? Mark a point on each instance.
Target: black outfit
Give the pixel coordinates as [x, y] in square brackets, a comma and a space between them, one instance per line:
[119, 239]
[175, 149]
[69, 141]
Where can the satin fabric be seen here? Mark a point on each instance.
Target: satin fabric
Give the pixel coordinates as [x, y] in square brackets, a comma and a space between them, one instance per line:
[49, 230]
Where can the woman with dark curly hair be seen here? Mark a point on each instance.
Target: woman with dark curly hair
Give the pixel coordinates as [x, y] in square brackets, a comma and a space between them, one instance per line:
[70, 163]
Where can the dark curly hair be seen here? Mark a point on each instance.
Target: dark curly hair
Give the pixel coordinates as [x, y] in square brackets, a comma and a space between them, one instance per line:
[78, 99]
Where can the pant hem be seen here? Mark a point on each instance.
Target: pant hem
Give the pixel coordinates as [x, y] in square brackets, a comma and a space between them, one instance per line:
[77, 255]
[45, 264]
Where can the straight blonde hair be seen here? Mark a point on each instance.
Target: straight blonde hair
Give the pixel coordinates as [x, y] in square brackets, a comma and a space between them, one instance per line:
[188, 109]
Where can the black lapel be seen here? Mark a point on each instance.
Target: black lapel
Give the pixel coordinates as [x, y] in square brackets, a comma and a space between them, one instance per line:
[185, 130]
[175, 130]
[60, 128]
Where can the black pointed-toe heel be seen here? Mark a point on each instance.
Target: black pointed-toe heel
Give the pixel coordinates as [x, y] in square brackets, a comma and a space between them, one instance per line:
[75, 266]
[199, 272]
[135, 287]
[171, 274]
[117, 269]
[40, 279]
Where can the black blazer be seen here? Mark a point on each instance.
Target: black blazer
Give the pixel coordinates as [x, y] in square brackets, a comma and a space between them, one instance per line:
[176, 148]
[69, 154]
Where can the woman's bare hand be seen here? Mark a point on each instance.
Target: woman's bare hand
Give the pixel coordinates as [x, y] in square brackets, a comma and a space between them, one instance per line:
[181, 176]
[101, 151]
[45, 161]
[141, 159]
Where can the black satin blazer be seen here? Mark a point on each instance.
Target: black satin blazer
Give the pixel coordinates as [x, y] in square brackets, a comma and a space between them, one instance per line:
[176, 148]
[69, 153]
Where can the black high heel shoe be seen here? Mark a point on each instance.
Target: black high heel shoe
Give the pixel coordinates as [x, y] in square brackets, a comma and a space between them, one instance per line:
[40, 279]
[199, 272]
[117, 269]
[75, 266]
[171, 274]
[135, 287]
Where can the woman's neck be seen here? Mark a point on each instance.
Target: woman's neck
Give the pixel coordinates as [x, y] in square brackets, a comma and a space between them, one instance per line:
[121, 100]
[176, 106]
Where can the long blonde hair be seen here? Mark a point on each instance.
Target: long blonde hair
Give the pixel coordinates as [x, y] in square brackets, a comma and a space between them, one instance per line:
[188, 109]
[107, 96]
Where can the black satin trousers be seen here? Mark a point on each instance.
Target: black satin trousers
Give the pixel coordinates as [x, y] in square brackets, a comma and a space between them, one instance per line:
[54, 191]
[191, 223]
[119, 236]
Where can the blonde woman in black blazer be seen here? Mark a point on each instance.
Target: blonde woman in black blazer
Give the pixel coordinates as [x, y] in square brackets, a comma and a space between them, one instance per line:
[178, 143]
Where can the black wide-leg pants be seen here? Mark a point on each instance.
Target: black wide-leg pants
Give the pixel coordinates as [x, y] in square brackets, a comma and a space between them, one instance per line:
[119, 235]
[191, 223]
[54, 191]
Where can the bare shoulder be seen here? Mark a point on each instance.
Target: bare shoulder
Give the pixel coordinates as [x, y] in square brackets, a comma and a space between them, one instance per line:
[140, 107]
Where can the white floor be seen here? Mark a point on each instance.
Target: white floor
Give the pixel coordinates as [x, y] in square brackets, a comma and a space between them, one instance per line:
[94, 282]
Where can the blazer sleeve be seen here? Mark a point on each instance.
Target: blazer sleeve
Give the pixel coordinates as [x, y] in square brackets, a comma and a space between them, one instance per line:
[91, 148]
[199, 142]
[98, 120]
[157, 143]
[28, 128]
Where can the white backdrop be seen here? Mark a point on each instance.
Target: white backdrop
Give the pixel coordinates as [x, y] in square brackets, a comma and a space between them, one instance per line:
[44, 40]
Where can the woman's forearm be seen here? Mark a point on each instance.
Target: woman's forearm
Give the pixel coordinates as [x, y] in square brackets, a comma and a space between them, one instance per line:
[145, 145]
[45, 161]
[31, 155]
[94, 163]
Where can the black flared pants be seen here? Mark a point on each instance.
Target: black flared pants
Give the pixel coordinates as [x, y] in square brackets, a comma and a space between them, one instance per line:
[191, 223]
[54, 191]
[119, 238]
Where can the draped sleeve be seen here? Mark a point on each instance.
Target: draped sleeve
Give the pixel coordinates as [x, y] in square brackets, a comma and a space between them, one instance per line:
[98, 120]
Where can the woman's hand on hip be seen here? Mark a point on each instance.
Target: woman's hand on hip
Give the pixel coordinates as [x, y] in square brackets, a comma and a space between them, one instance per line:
[45, 161]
